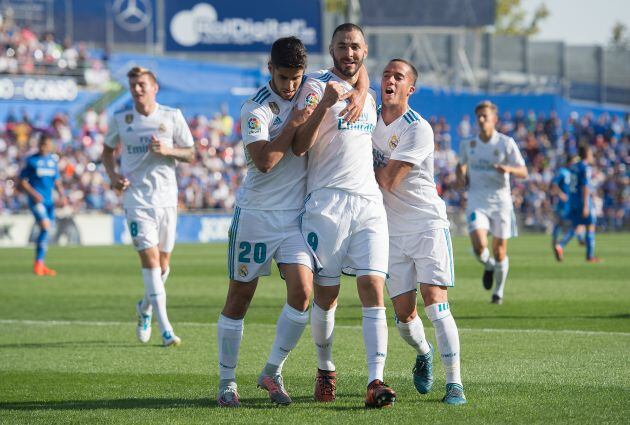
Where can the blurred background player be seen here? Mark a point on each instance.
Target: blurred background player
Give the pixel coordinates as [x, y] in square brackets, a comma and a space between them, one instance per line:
[344, 221]
[266, 226]
[488, 160]
[38, 178]
[152, 139]
[560, 194]
[581, 209]
[420, 249]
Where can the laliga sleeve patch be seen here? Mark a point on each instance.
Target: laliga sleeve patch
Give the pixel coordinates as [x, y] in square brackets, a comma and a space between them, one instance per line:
[253, 125]
[311, 99]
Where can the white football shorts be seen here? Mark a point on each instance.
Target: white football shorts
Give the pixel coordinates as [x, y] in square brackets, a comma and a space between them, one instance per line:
[152, 227]
[420, 258]
[501, 223]
[346, 234]
[256, 237]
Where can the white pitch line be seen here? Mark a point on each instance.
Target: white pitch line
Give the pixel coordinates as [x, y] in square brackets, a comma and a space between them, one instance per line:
[209, 324]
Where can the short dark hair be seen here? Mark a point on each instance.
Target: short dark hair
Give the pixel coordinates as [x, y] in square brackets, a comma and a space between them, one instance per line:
[288, 52]
[138, 71]
[409, 64]
[347, 27]
[44, 136]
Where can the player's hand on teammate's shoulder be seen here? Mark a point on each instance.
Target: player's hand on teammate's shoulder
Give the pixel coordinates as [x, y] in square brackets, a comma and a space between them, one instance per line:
[299, 116]
[352, 111]
[158, 147]
[333, 93]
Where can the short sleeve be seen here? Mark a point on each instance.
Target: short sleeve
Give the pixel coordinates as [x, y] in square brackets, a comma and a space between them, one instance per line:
[112, 138]
[27, 171]
[310, 94]
[182, 137]
[514, 157]
[254, 123]
[415, 144]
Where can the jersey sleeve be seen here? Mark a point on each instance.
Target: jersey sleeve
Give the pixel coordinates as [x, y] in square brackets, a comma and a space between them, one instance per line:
[310, 94]
[255, 123]
[416, 144]
[182, 137]
[28, 170]
[584, 177]
[112, 138]
[513, 154]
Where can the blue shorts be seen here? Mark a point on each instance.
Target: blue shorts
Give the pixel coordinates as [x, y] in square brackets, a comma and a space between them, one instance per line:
[577, 219]
[43, 212]
[563, 213]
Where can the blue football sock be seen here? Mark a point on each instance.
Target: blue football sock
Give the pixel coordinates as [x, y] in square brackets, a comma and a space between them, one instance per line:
[567, 237]
[555, 233]
[590, 244]
[42, 245]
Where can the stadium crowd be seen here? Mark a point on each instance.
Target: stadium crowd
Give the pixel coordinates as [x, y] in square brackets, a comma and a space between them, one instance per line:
[24, 52]
[211, 181]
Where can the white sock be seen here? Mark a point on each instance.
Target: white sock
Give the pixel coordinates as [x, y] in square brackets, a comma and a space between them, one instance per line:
[229, 336]
[500, 276]
[485, 259]
[447, 339]
[289, 328]
[323, 332]
[154, 289]
[413, 334]
[145, 305]
[375, 339]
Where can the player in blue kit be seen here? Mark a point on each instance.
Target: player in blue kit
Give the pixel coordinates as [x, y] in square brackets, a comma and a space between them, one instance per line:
[38, 178]
[581, 210]
[560, 191]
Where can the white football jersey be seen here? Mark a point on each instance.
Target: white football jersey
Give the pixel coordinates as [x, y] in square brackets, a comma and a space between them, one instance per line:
[488, 187]
[284, 186]
[341, 157]
[414, 206]
[151, 176]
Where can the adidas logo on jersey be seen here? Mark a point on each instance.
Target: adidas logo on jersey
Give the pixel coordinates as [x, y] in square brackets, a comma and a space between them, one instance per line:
[129, 129]
[277, 121]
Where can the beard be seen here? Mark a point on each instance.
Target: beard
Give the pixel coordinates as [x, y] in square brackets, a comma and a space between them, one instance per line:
[345, 71]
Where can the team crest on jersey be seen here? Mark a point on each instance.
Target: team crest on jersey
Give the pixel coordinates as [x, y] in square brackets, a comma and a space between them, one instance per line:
[162, 128]
[311, 99]
[253, 124]
[393, 142]
[473, 144]
[129, 118]
[274, 108]
[242, 270]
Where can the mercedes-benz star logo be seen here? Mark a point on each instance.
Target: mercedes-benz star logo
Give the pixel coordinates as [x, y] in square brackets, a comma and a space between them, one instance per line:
[133, 15]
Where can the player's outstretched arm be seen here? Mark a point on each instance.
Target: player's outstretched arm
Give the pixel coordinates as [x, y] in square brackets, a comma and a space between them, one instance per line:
[307, 133]
[61, 192]
[118, 181]
[356, 98]
[390, 176]
[267, 154]
[519, 171]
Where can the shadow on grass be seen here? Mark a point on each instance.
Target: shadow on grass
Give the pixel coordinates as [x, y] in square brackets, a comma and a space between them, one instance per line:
[165, 403]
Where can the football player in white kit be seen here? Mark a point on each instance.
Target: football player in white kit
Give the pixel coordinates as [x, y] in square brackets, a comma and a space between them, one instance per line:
[344, 221]
[152, 138]
[420, 251]
[488, 160]
[266, 223]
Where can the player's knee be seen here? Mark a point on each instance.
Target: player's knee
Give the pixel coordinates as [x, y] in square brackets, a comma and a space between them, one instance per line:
[45, 224]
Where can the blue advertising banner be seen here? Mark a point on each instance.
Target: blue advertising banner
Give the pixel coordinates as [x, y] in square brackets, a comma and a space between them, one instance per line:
[240, 26]
[191, 228]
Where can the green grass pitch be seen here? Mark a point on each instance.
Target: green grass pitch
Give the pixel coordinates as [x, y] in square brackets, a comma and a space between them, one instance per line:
[557, 351]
